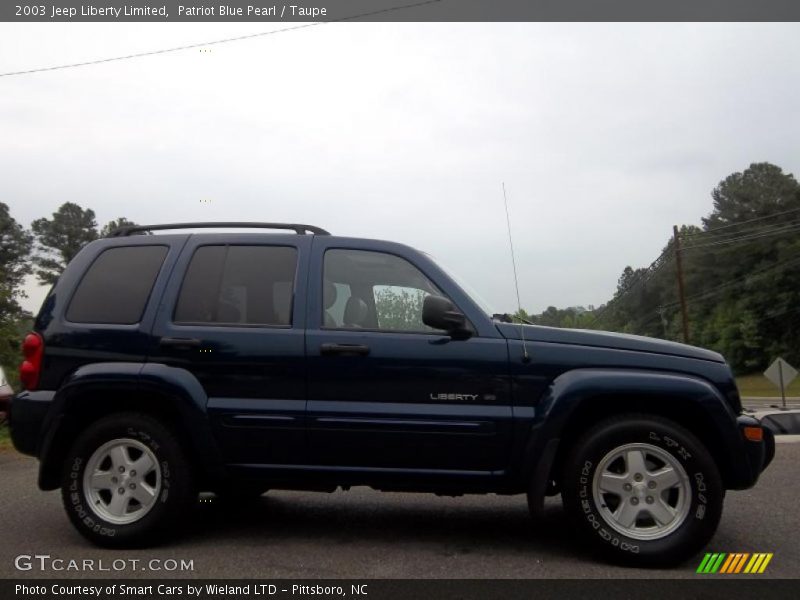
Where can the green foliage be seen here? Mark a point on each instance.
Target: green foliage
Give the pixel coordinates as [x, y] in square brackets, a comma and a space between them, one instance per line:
[743, 294]
[760, 190]
[115, 224]
[15, 249]
[11, 335]
[758, 385]
[400, 309]
[61, 238]
[574, 317]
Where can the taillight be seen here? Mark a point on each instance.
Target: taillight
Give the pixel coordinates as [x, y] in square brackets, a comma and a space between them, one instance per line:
[32, 351]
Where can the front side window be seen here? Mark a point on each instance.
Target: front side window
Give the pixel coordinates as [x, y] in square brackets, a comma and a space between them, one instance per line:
[117, 285]
[373, 290]
[238, 285]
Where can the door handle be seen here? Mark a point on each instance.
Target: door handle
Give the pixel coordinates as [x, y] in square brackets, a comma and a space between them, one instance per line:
[178, 342]
[356, 349]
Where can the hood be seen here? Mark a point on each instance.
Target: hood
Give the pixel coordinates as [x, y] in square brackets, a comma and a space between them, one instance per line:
[605, 339]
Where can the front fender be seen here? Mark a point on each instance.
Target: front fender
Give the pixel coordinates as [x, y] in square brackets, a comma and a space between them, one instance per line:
[573, 389]
[603, 392]
[101, 388]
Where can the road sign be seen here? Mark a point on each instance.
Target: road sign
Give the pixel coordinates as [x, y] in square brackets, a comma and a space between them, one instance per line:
[781, 374]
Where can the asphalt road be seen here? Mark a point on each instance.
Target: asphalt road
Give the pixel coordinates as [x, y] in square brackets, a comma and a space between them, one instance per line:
[368, 534]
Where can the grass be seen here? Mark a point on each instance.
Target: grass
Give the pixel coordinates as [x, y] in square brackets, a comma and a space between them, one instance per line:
[758, 385]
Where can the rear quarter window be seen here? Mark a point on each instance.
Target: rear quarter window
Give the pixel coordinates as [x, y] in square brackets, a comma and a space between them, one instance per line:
[115, 288]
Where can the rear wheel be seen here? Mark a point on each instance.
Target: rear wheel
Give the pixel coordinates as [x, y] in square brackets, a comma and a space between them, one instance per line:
[126, 482]
[643, 490]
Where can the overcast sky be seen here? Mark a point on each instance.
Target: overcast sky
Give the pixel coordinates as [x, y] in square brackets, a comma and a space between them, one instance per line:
[605, 135]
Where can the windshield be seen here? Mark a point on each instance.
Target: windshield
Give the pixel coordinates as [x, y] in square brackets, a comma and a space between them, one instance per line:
[468, 289]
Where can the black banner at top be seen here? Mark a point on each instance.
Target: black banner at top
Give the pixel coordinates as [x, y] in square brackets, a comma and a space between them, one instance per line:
[298, 11]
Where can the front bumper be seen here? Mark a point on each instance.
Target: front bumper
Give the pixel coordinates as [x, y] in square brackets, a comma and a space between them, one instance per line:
[758, 454]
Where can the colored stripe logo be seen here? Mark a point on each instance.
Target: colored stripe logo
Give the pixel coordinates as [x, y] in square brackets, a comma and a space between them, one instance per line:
[735, 562]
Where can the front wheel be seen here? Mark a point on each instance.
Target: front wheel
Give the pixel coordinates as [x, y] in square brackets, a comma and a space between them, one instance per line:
[643, 489]
[126, 482]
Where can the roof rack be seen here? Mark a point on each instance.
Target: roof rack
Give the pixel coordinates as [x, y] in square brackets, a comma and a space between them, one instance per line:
[296, 227]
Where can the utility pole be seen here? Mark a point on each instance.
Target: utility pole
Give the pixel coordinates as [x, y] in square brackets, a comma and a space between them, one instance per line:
[681, 291]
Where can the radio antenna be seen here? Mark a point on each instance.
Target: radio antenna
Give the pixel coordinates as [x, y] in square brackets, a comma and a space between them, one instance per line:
[525, 357]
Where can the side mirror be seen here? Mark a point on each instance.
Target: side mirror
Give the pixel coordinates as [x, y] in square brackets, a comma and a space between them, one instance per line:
[440, 313]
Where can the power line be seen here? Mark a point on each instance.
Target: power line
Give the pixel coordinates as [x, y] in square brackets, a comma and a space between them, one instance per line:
[216, 42]
[725, 236]
[653, 317]
[761, 231]
[747, 231]
[716, 229]
[646, 319]
[642, 277]
[725, 286]
[779, 230]
[655, 267]
[790, 309]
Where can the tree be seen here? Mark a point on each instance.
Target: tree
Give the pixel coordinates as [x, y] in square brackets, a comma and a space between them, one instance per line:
[761, 190]
[15, 248]
[741, 273]
[400, 308]
[115, 224]
[61, 238]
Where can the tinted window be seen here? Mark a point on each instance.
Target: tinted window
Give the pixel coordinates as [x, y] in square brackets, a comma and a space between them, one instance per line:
[246, 285]
[374, 290]
[116, 287]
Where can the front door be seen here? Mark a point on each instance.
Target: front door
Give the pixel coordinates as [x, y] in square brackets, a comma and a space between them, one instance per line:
[385, 391]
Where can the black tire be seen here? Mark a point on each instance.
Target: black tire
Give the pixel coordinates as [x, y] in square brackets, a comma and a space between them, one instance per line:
[650, 436]
[172, 482]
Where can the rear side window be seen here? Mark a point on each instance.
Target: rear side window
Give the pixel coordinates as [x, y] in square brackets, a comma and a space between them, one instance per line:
[117, 285]
[238, 285]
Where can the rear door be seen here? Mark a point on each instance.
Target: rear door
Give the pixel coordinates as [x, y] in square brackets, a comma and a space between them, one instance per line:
[233, 316]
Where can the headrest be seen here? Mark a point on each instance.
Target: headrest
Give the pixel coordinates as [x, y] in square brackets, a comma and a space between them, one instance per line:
[355, 312]
[329, 294]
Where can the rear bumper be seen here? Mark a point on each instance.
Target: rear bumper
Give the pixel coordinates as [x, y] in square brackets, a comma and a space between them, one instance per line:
[27, 416]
